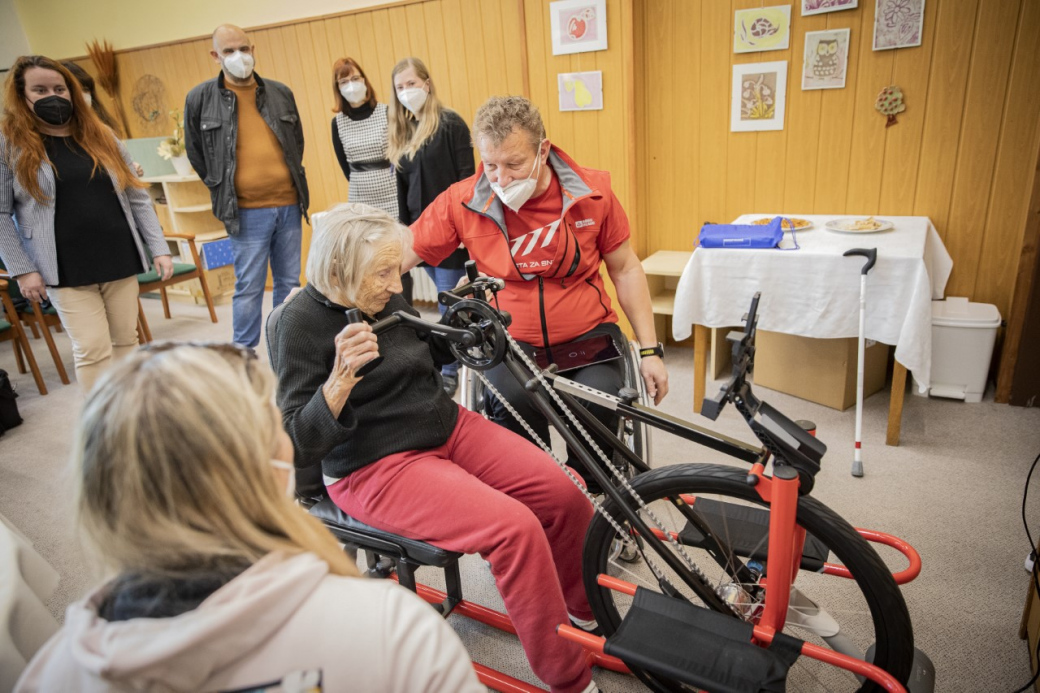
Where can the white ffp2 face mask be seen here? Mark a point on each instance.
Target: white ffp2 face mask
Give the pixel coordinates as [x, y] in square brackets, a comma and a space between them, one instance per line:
[412, 99]
[239, 64]
[354, 92]
[518, 192]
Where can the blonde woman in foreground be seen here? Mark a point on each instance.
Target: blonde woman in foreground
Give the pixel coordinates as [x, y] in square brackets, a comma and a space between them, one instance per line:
[220, 582]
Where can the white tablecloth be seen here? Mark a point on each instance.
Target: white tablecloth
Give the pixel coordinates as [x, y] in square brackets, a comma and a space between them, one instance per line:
[814, 291]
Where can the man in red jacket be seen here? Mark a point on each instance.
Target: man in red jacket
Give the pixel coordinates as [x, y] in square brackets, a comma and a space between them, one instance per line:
[535, 218]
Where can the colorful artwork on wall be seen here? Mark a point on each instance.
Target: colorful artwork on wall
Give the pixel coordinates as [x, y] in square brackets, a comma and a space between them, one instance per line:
[580, 91]
[810, 7]
[759, 96]
[826, 60]
[762, 29]
[578, 26]
[898, 24]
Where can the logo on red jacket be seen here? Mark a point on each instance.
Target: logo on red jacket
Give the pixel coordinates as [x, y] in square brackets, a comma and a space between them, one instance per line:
[536, 249]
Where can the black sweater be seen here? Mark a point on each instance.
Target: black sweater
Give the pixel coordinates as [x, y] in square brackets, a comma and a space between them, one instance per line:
[401, 405]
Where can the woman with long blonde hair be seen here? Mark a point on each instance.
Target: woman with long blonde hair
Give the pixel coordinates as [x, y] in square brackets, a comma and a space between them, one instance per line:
[220, 581]
[431, 148]
[76, 225]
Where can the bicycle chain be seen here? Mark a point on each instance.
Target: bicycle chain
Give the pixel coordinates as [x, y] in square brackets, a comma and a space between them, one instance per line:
[515, 347]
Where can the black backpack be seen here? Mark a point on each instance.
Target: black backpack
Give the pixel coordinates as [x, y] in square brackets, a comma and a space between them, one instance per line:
[9, 417]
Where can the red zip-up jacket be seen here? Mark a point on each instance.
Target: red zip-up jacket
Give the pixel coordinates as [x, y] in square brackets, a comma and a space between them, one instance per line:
[546, 309]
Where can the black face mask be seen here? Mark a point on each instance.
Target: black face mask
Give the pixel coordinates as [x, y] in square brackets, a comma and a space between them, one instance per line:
[54, 110]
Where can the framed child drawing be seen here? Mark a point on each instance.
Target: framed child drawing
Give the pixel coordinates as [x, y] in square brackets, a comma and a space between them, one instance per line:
[578, 26]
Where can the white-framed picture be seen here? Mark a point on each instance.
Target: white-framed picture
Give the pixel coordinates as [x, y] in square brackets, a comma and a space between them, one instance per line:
[762, 29]
[826, 61]
[810, 7]
[759, 96]
[580, 91]
[578, 26]
[898, 24]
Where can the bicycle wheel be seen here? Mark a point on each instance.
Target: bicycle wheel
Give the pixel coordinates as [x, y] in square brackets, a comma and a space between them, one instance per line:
[869, 609]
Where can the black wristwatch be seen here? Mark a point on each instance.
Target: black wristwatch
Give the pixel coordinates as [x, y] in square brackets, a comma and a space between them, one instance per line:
[652, 351]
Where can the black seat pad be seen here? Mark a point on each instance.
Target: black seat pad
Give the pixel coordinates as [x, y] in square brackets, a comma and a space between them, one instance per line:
[352, 531]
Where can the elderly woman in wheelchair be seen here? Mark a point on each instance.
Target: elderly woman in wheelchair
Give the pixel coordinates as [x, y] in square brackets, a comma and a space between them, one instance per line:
[399, 455]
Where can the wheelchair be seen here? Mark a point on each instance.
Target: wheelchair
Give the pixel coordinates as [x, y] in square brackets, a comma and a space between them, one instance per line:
[634, 434]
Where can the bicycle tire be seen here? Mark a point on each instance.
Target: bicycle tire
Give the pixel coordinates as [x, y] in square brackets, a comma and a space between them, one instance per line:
[888, 616]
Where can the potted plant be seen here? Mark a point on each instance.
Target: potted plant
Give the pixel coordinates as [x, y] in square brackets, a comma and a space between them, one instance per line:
[172, 148]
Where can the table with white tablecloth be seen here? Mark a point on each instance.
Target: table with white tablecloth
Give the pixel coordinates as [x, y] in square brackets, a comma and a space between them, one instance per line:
[814, 292]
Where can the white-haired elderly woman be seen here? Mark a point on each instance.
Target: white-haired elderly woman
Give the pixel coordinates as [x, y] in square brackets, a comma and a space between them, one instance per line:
[398, 454]
[221, 581]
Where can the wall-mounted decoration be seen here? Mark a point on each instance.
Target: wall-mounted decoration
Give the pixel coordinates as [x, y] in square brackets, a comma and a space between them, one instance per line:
[759, 95]
[762, 29]
[578, 26]
[826, 59]
[580, 91]
[820, 6]
[898, 23]
[889, 103]
[149, 102]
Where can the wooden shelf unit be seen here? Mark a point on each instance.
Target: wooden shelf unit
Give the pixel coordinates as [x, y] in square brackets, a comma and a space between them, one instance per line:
[663, 270]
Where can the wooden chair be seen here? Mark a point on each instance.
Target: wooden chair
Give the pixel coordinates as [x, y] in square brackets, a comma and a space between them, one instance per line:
[11, 331]
[35, 317]
[182, 272]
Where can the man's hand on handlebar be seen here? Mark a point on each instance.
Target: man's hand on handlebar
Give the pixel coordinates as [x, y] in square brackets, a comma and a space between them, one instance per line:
[655, 376]
[356, 345]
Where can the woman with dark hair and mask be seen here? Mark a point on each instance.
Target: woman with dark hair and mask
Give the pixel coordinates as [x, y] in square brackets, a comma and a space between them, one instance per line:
[90, 93]
[85, 225]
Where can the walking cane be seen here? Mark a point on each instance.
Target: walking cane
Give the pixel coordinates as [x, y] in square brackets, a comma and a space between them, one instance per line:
[871, 255]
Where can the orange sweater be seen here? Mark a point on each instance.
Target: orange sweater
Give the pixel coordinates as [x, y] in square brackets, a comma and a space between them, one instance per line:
[262, 177]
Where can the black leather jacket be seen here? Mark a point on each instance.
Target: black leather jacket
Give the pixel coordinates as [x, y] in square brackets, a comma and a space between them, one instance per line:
[211, 134]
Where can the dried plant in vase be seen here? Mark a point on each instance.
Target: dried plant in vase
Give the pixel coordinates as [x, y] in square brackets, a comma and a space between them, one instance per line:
[104, 58]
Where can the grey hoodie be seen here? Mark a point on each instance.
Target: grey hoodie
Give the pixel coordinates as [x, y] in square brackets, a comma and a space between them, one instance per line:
[283, 624]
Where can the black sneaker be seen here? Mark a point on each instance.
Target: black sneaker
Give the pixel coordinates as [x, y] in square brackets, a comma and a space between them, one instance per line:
[451, 384]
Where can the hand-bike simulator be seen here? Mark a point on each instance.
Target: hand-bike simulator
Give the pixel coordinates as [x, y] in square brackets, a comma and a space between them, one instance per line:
[742, 581]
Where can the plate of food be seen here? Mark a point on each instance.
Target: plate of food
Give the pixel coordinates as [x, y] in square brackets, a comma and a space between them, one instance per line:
[859, 225]
[787, 223]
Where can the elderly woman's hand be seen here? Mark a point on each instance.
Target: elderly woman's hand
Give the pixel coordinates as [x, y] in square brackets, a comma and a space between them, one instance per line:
[356, 345]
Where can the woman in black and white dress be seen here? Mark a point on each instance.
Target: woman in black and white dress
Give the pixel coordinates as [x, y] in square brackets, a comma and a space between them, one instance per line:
[359, 136]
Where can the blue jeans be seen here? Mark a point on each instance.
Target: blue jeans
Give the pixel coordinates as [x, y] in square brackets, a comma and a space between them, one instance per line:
[268, 234]
[445, 280]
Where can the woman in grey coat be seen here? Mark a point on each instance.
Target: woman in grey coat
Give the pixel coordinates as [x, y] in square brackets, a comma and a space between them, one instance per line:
[76, 225]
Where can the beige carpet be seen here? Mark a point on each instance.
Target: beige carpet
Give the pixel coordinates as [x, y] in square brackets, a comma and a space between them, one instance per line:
[953, 488]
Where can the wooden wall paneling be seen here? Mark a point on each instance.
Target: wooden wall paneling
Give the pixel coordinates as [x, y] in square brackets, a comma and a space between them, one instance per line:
[798, 169]
[742, 150]
[948, 79]
[771, 146]
[836, 112]
[716, 45]
[451, 14]
[352, 48]
[538, 51]
[977, 150]
[495, 44]
[630, 128]
[866, 155]
[1002, 241]
[665, 96]
[320, 85]
[437, 49]
[640, 216]
[475, 48]
[910, 71]
[396, 26]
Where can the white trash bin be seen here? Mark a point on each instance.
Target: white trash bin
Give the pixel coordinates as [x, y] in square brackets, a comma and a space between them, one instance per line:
[963, 334]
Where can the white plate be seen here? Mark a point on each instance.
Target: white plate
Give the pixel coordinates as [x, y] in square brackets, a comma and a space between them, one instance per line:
[843, 225]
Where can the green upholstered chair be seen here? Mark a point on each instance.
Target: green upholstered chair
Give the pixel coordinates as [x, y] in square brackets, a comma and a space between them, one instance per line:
[182, 272]
[38, 319]
[11, 331]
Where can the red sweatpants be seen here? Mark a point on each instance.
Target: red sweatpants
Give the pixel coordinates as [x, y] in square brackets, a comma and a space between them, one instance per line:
[489, 491]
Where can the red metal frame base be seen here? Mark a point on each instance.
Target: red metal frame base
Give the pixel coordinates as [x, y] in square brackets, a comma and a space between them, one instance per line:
[495, 679]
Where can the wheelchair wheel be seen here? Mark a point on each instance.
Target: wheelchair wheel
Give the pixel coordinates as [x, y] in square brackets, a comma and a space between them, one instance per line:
[868, 609]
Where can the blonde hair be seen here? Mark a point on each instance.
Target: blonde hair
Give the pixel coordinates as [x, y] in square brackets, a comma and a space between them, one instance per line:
[407, 133]
[350, 235]
[500, 115]
[172, 465]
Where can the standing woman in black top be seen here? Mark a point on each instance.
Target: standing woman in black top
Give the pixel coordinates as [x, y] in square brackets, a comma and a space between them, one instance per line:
[431, 148]
[76, 225]
[359, 136]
